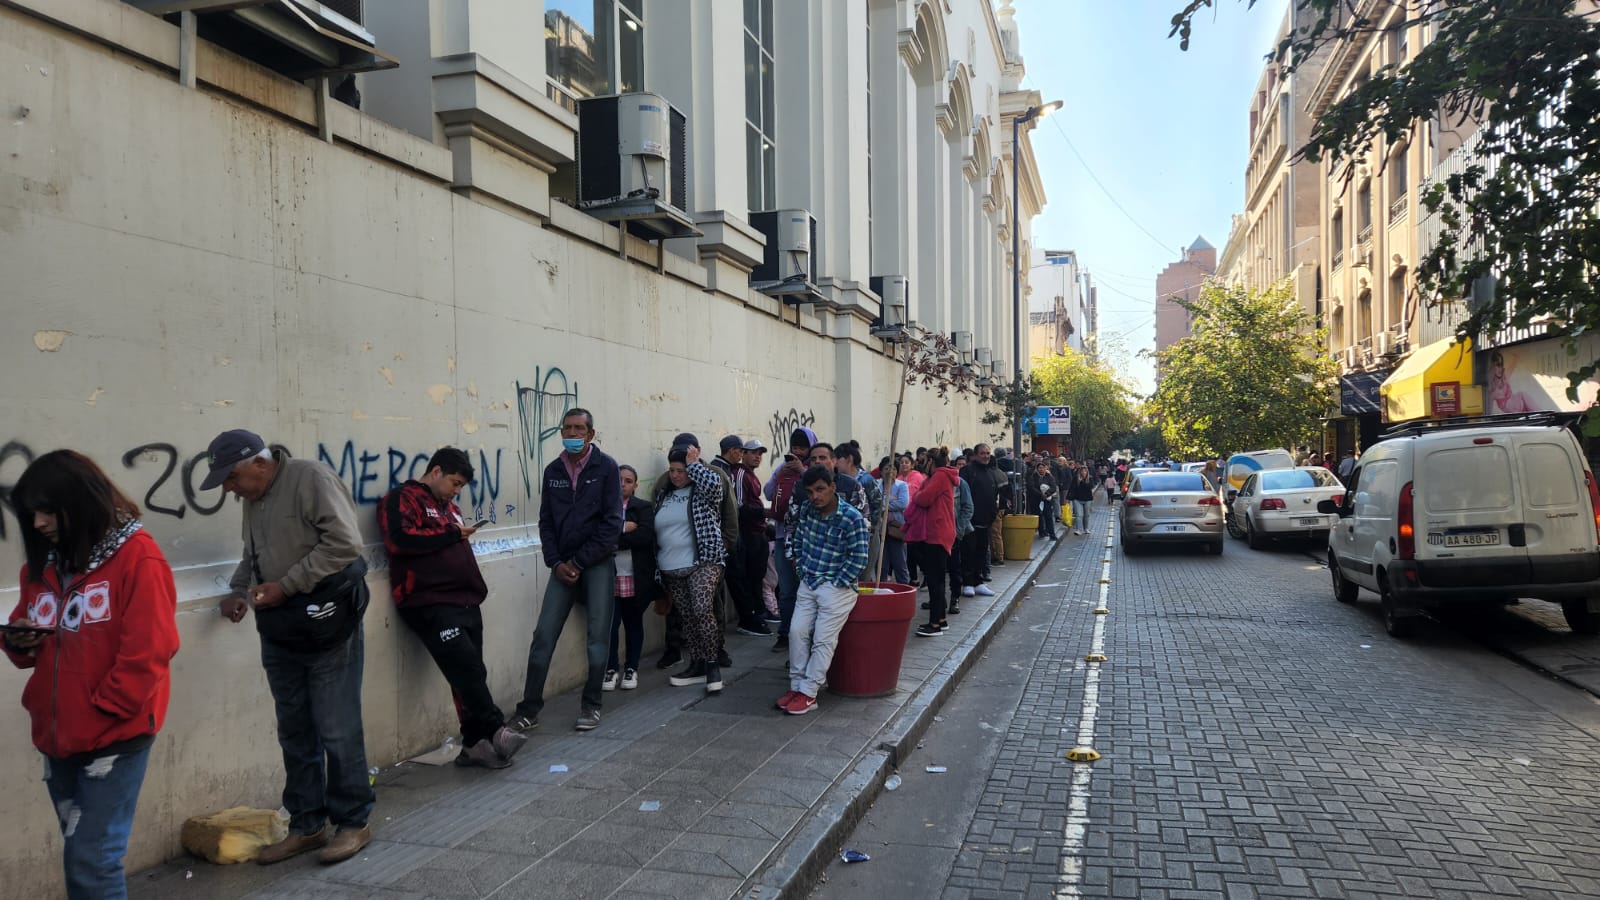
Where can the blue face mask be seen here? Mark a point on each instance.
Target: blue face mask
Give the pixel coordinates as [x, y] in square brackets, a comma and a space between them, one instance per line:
[572, 445]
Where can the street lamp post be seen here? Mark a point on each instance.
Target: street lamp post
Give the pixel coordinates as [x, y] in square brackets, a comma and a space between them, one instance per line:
[1033, 112]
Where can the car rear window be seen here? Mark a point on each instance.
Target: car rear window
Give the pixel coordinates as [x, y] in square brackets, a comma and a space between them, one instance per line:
[1171, 481]
[1547, 475]
[1297, 478]
[1467, 478]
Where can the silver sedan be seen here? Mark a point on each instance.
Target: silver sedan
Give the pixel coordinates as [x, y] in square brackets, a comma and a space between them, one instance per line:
[1171, 507]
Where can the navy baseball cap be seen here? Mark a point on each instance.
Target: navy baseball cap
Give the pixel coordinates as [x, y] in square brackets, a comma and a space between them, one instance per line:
[684, 441]
[227, 450]
[732, 442]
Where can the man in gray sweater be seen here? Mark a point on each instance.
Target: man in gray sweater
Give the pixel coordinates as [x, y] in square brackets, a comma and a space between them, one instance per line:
[300, 535]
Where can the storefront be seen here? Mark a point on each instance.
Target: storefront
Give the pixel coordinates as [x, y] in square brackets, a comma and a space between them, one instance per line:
[1434, 381]
[1360, 413]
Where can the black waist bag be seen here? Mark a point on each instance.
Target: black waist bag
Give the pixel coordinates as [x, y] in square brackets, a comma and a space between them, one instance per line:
[323, 617]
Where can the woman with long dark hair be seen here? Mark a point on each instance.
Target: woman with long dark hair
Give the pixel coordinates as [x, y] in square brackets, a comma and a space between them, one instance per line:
[96, 622]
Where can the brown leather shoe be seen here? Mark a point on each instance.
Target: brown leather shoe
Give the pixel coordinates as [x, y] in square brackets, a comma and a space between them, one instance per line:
[347, 843]
[293, 845]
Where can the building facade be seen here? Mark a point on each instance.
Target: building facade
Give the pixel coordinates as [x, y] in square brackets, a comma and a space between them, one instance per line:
[1062, 305]
[1275, 240]
[1180, 283]
[201, 236]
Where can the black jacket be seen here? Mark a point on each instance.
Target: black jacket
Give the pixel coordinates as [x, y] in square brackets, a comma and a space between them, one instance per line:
[642, 541]
[1081, 489]
[988, 485]
[1038, 494]
[582, 525]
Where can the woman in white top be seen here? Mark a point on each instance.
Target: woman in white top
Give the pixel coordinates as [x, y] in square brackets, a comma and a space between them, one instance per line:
[689, 555]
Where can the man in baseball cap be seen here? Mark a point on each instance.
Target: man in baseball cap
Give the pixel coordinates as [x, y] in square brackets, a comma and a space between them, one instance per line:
[228, 450]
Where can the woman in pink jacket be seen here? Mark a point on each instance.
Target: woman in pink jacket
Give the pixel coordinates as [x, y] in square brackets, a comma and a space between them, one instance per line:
[934, 506]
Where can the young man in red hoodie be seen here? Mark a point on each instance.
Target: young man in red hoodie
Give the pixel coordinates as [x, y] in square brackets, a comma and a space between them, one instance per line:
[97, 624]
[438, 591]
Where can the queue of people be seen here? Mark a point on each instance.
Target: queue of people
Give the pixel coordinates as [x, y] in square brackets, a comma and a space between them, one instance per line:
[789, 551]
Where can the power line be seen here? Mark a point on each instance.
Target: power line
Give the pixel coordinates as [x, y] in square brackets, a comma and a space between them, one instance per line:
[1109, 196]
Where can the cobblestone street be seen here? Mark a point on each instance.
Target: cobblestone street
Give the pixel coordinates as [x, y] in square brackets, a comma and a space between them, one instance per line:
[1258, 738]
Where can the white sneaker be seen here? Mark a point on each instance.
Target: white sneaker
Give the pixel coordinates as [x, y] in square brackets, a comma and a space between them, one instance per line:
[969, 592]
[630, 679]
[982, 591]
[610, 682]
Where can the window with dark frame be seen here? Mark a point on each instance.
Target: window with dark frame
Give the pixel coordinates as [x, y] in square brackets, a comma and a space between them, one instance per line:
[761, 177]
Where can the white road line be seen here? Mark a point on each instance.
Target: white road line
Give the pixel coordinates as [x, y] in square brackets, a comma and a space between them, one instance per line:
[1077, 827]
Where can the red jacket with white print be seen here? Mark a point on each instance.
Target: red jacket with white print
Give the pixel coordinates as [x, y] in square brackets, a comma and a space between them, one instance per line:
[430, 562]
[103, 677]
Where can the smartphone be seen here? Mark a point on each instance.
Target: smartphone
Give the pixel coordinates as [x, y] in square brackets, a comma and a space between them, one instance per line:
[480, 523]
[25, 629]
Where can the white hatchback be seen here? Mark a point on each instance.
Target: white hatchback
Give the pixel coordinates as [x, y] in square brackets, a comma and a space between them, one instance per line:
[1283, 503]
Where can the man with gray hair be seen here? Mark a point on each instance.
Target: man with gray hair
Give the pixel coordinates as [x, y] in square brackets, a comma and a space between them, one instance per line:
[303, 576]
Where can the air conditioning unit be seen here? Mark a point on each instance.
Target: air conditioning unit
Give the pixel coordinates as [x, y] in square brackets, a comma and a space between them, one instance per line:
[633, 164]
[1382, 343]
[1348, 357]
[984, 356]
[788, 268]
[998, 367]
[894, 294]
[963, 343]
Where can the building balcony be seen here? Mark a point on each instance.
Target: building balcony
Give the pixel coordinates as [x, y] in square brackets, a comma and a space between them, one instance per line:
[1397, 209]
[1338, 259]
[1364, 236]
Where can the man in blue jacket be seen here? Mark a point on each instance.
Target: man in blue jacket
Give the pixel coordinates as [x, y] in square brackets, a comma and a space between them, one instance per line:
[580, 520]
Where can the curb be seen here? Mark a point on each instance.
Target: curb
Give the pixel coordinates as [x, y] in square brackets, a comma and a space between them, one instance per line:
[801, 861]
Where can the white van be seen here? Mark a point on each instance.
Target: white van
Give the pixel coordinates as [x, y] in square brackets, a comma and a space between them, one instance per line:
[1487, 509]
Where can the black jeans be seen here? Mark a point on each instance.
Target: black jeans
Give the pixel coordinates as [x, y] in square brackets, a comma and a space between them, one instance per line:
[934, 560]
[746, 567]
[318, 703]
[974, 554]
[955, 566]
[454, 638]
[628, 612]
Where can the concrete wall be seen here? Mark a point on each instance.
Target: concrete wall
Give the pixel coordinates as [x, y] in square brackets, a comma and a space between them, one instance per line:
[177, 262]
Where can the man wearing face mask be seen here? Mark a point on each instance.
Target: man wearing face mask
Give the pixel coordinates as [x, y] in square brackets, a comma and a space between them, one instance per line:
[580, 521]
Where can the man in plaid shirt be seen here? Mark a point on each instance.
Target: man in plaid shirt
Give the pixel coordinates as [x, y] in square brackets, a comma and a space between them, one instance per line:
[828, 546]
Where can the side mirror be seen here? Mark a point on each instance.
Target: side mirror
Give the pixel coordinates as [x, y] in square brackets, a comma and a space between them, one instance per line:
[1231, 495]
[1329, 507]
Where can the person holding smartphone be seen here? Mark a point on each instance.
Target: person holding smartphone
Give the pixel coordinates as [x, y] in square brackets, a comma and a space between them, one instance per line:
[97, 624]
[439, 590]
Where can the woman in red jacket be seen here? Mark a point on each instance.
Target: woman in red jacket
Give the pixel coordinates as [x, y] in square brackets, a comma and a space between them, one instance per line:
[936, 500]
[100, 609]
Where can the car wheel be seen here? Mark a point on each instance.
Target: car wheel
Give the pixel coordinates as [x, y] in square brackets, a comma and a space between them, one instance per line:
[1579, 618]
[1233, 526]
[1216, 547]
[1129, 548]
[1256, 541]
[1344, 591]
[1398, 626]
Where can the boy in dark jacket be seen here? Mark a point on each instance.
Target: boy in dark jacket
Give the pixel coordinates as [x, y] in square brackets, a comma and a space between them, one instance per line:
[438, 589]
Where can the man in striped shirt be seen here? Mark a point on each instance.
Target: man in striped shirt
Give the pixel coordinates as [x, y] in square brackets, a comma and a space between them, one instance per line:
[828, 546]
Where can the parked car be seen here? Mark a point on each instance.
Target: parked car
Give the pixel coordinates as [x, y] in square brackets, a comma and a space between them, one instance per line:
[1283, 503]
[1134, 471]
[1170, 507]
[1240, 467]
[1493, 508]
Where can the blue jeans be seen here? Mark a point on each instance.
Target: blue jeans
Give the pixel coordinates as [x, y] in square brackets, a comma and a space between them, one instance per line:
[94, 803]
[895, 565]
[1080, 514]
[593, 590]
[318, 700]
[788, 586]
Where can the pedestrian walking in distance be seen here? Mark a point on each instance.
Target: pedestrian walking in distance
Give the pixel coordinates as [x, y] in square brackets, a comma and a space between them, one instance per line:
[302, 555]
[438, 592]
[828, 546]
[96, 623]
[580, 521]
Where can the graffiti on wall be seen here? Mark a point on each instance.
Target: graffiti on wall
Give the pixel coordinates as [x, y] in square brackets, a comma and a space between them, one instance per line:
[784, 424]
[539, 411]
[370, 473]
[166, 481]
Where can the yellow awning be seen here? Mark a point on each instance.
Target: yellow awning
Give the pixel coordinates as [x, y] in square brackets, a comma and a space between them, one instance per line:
[1406, 392]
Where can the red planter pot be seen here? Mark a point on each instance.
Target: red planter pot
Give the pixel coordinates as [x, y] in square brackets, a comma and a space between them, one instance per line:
[866, 662]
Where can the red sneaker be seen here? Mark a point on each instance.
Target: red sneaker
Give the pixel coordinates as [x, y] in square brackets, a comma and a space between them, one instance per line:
[801, 704]
[783, 702]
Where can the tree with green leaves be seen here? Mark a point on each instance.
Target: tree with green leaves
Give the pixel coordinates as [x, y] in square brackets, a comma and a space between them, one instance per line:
[1251, 376]
[1526, 210]
[1102, 406]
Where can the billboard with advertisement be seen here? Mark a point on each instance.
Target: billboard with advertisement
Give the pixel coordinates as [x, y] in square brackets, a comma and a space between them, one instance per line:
[1051, 420]
[1532, 377]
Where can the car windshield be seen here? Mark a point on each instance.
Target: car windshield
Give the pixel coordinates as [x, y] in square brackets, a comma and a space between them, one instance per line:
[1289, 479]
[1171, 481]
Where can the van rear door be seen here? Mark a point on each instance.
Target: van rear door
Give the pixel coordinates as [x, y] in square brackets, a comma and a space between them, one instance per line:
[1558, 523]
[1468, 511]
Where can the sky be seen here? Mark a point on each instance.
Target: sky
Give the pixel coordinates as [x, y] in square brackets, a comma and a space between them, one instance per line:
[1163, 130]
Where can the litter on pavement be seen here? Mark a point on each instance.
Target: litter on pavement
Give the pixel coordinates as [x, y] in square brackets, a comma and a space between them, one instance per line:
[891, 783]
[937, 770]
[557, 767]
[854, 856]
[650, 806]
